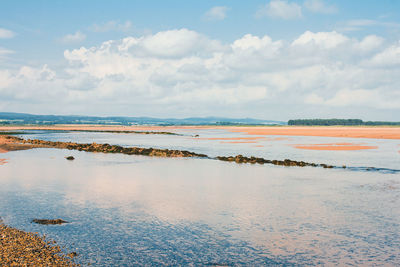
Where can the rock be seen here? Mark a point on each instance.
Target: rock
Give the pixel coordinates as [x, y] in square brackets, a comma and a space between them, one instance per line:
[70, 158]
[72, 254]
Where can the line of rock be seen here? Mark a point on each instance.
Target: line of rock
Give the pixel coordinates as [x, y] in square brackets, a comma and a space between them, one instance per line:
[286, 162]
[116, 131]
[106, 148]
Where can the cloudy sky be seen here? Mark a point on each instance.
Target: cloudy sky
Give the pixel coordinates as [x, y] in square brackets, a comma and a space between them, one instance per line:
[270, 59]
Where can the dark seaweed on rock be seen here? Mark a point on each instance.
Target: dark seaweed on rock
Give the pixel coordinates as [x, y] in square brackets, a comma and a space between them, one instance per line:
[118, 131]
[106, 148]
[286, 162]
[47, 221]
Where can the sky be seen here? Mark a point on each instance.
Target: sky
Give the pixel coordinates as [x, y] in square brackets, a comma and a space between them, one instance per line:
[270, 59]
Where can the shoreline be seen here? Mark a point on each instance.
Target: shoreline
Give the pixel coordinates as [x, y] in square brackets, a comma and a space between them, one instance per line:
[156, 152]
[12, 143]
[20, 248]
[374, 132]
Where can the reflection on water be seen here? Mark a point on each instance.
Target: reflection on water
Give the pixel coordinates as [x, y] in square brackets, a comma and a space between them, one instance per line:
[142, 210]
[382, 153]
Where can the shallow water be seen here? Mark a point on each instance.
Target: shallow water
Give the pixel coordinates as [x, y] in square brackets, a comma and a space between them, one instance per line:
[129, 210]
[386, 155]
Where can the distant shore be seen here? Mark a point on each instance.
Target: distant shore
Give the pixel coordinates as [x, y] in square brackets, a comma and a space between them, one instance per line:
[375, 132]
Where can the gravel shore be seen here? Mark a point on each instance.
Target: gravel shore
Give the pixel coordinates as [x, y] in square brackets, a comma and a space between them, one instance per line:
[19, 248]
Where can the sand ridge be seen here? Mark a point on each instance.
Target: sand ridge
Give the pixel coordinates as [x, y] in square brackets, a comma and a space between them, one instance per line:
[334, 146]
[7, 144]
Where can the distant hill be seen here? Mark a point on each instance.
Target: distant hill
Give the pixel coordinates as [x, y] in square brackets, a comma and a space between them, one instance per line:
[340, 122]
[9, 118]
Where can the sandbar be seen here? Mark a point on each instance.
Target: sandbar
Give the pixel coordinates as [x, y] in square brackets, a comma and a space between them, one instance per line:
[9, 144]
[335, 146]
[325, 131]
[349, 132]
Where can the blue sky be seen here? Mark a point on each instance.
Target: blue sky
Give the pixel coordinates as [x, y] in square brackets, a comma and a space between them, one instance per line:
[275, 59]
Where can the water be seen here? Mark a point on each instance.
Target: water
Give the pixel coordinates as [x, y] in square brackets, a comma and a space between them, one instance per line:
[136, 210]
[387, 154]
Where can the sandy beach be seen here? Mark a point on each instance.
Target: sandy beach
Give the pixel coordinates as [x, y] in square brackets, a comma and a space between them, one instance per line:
[335, 146]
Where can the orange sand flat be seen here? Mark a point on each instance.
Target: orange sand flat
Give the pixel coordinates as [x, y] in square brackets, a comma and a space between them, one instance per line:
[337, 146]
[331, 144]
[352, 132]
[4, 144]
[7, 145]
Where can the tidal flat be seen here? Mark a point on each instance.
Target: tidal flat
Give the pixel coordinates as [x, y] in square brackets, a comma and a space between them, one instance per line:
[139, 210]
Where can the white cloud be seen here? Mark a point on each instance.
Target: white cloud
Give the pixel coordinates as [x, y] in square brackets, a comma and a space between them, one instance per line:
[73, 38]
[281, 9]
[6, 34]
[358, 97]
[176, 43]
[325, 40]
[182, 72]
[112, 25]
[370, 42]
[4, 51]
[216, 13]
[389, 57]
[319, 6]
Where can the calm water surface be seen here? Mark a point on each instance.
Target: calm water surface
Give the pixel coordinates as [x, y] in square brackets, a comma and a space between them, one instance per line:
[131, 210]
[386, 155]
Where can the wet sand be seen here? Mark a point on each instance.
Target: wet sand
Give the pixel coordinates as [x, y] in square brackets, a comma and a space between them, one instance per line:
[19, 248]
[349, 132]
[325, 131]
[8, 143]
[335, 146]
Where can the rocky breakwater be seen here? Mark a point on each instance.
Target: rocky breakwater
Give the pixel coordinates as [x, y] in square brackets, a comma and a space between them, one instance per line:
[155, 152]
[286, 162]
[107, 148]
